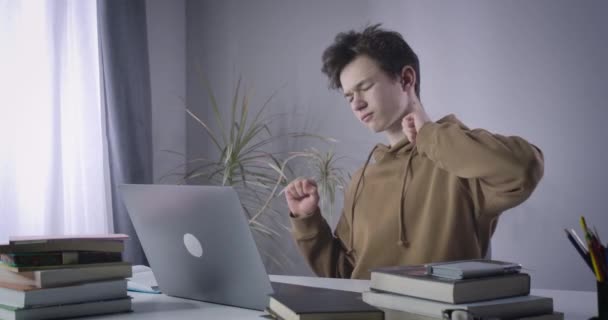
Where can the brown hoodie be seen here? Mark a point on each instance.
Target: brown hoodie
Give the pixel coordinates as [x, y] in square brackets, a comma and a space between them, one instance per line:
[438, 200]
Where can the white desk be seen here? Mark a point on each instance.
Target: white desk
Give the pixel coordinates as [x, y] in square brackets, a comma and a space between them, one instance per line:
[577, 305]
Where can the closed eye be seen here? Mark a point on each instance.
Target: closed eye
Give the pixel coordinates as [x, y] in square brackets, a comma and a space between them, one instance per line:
[362, 86]
[367, 87]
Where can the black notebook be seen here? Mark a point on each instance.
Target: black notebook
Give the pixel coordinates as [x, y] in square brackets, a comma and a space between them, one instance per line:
[308, 303]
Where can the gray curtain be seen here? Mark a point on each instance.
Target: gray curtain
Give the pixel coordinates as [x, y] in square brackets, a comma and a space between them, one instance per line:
[125, 80]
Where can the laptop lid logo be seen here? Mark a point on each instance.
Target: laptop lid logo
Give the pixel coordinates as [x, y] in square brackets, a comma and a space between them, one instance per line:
[193, 246]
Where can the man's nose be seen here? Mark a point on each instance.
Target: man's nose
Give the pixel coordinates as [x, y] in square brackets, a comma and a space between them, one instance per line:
[358, 102]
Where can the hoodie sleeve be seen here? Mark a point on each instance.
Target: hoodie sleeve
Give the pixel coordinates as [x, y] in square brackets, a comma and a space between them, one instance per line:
[502, 171]
[323, 251]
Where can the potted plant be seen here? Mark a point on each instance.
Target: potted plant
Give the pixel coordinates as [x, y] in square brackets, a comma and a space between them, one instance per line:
[259, 176]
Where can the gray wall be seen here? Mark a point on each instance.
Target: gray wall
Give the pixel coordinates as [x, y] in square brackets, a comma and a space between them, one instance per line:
[167, 53]
[534, 69]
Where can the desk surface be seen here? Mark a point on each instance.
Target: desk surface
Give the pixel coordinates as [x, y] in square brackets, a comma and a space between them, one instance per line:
[577, 305]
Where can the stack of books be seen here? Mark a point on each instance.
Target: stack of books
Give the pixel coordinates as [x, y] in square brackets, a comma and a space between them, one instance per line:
[60, 277]
[472, 289]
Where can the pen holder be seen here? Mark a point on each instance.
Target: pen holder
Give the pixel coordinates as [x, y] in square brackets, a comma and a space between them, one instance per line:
[602, 301]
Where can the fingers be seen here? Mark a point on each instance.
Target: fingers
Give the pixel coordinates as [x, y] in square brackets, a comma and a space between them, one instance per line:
[309, 186]
[408, 123]
[289, 193]
[409, 127]
[295, 189]
[301, 188]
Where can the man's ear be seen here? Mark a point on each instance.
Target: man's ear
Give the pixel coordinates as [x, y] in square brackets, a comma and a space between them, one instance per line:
[408, 77]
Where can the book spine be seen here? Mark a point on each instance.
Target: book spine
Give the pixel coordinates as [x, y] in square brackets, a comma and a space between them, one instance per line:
[30, 260]
[59, 258]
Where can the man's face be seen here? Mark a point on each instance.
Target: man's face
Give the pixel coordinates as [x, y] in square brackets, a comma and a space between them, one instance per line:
[376, 99]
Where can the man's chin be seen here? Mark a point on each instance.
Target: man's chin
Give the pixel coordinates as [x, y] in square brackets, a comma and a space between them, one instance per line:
[376, 129]
[374, 126]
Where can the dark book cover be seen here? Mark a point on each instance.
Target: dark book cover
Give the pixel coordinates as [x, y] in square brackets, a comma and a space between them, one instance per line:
[103, 243]
[58, 258]
[304, 300]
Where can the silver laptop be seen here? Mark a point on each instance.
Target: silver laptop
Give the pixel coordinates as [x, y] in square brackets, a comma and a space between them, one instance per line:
[198, 243]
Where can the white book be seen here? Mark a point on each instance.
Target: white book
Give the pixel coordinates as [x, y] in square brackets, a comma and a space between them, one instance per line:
[67, 310]
[515, 307]
[27, 296]
[66, 277]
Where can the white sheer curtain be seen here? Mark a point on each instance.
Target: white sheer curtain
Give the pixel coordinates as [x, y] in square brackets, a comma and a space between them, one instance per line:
[53, 161]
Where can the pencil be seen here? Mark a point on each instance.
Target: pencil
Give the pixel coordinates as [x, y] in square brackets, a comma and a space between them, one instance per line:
[578, 239]
[594, 259]
[579, 249]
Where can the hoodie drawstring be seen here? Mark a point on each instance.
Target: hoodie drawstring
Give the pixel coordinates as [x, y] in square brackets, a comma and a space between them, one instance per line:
[402, 241]
[352, 207]
[402, 229]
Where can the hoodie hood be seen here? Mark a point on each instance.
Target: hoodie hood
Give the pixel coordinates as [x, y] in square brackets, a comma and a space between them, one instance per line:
[404, 146]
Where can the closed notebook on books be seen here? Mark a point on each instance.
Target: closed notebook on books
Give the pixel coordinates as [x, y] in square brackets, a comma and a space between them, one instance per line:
[294, 302]
[106, 243]
[27, 296]
[515, 307]
[476, 268]
[67, 276]
[416, 281]
[67, 310]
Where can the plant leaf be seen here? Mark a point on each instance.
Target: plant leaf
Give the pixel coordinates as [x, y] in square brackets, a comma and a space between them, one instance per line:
[209, 132]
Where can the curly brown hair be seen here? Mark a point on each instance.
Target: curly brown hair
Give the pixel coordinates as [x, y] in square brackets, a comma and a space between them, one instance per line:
[387, 48]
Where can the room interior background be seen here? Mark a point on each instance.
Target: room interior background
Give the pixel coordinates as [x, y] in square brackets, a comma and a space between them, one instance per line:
[535, 69]
[52, 135]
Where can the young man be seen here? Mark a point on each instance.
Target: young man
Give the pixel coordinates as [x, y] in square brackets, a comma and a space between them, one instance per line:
[433, 194]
